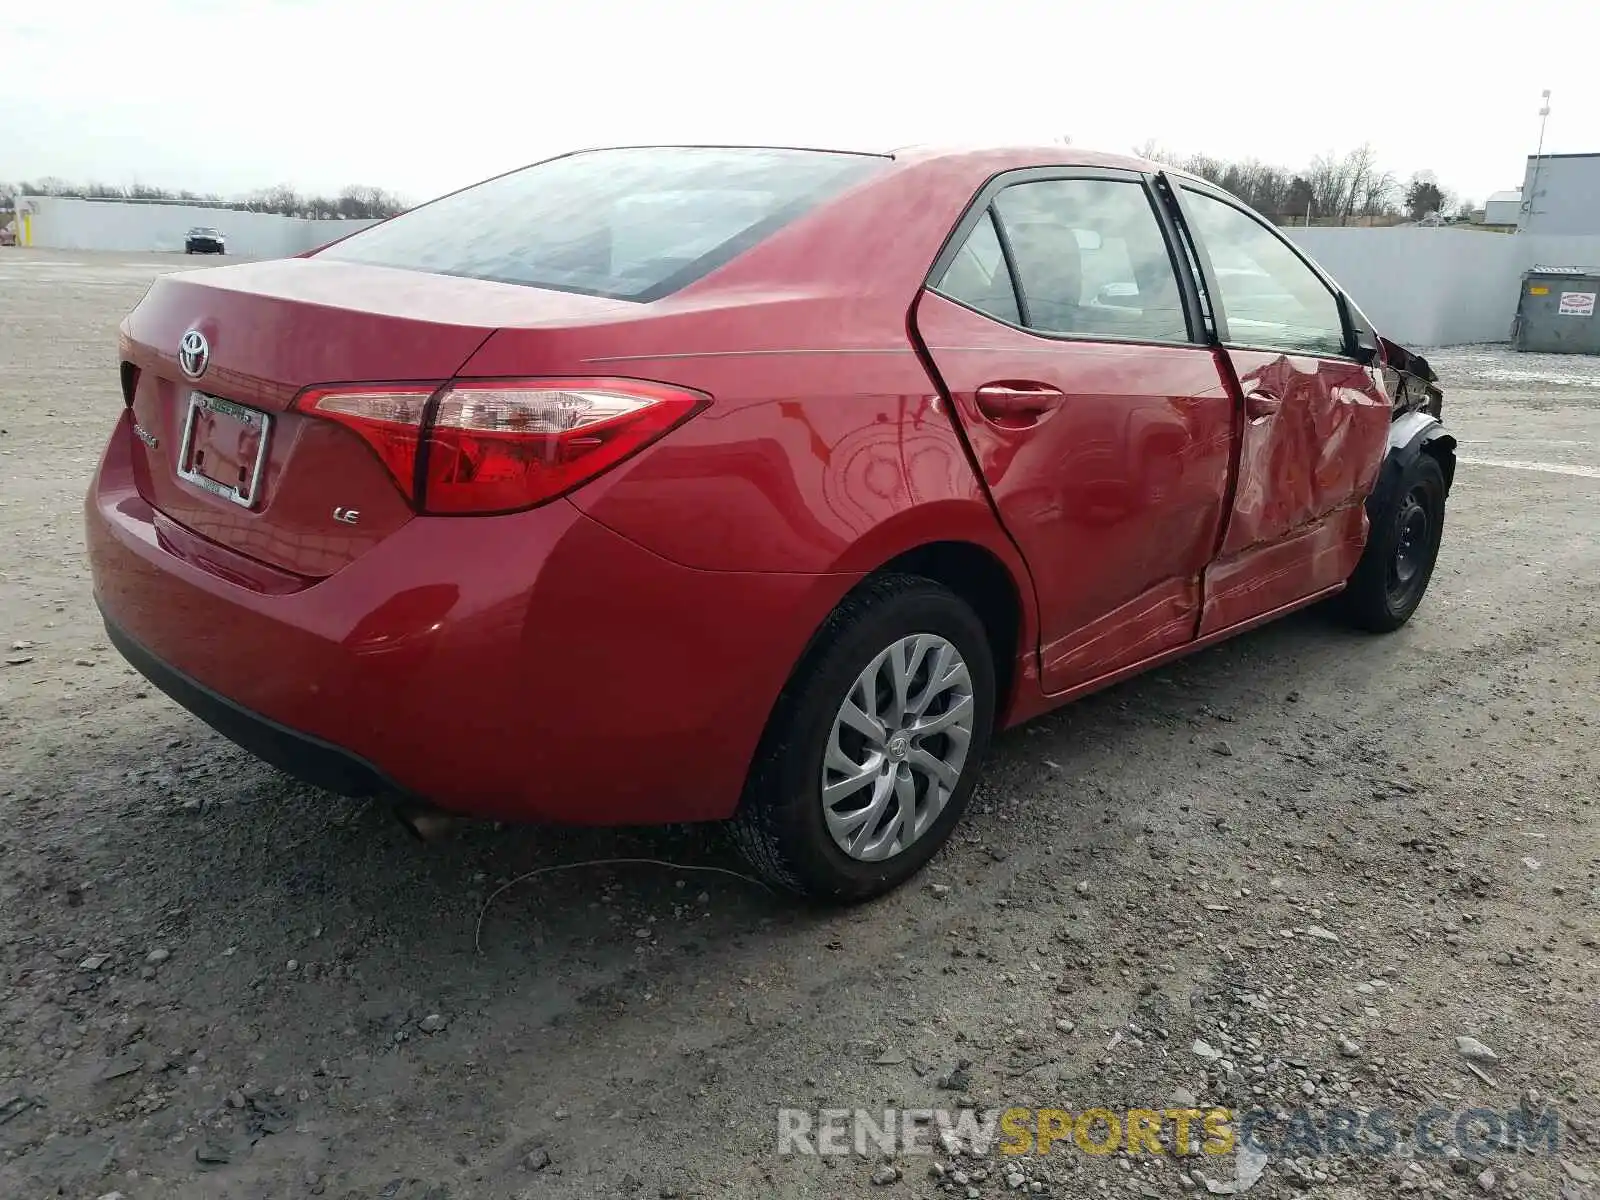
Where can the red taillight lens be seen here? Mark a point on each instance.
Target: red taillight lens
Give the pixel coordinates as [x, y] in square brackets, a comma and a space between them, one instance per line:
[498, 446]
[389, 419]
[493, 447]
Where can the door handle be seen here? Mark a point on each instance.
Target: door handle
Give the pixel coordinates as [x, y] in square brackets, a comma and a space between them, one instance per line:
[1017, 401]
[1262, 404]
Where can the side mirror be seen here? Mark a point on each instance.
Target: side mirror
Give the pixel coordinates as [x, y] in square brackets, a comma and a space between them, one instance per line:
[1363, 338]
[1366, 346]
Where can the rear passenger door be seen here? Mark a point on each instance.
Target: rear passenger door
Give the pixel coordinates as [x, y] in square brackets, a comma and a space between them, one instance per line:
[1314, 421]
[1068, 340]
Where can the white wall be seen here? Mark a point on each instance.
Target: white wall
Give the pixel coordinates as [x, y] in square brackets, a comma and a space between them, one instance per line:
[1420, 286]
[1439, 286]
[65, 223]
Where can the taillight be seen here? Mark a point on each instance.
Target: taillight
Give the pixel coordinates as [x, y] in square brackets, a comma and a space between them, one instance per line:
[389, 419]
[486, 446]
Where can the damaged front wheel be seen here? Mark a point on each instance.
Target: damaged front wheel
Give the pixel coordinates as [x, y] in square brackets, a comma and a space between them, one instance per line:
[1389, 582]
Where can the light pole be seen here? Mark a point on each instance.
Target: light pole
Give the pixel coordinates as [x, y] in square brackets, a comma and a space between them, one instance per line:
[1538, 154]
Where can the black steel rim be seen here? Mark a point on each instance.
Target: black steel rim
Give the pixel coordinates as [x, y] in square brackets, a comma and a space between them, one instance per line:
[1408, 564]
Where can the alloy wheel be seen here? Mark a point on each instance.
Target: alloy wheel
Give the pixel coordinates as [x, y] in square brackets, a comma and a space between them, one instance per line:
[897, 747]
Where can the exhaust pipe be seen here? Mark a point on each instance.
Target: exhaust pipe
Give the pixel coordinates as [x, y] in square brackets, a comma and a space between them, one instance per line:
[425, 823]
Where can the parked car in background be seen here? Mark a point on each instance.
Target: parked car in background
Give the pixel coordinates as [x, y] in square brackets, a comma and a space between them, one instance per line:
[756, 485]
[204, 241]
[8, 236]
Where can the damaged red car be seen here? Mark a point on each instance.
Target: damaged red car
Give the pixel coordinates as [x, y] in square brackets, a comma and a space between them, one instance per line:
[752, 485]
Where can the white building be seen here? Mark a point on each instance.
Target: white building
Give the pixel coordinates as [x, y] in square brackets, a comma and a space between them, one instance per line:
[1562, 192]
[1503, 208]
[73, 223]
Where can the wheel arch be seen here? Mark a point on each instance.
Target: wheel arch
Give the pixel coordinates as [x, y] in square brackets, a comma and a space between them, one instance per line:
[1413, 434]
[990, 575]
[1441, 446]
[1422, 433]
[981, 579]
[976, 561]
[1368, 601]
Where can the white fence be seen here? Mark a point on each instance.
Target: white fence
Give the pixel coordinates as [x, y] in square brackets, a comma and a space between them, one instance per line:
[66, 223]
[1420, 286]
[1440, 286]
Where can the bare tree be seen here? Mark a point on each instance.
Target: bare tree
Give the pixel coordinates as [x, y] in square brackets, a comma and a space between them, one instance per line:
[1154, 151]
[1378, 194]
[1360, 167]
[282, 199]
[1333, 187]
[1276, 189]
[359, 201]
[49, 185]
[1205, 166]
[1330, 185]
[1264, 188]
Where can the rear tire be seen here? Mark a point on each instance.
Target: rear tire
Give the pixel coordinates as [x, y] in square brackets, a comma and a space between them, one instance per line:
[1390, 580]
[881, 760]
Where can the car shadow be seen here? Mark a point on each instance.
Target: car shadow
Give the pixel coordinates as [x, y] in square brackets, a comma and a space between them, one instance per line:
[270, 861]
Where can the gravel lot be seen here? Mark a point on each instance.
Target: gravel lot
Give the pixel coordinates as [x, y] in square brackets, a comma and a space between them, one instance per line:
[1288, 872]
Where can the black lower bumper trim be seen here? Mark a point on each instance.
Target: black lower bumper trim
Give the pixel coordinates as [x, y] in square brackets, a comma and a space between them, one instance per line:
[309, 759]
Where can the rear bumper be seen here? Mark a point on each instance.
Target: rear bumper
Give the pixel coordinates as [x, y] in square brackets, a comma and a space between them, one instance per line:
[308, 759]
[535, 666]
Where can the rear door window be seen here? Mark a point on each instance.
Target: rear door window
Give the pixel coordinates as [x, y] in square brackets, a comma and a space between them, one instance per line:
[630, 224]
[978, 276]
[1092, 261]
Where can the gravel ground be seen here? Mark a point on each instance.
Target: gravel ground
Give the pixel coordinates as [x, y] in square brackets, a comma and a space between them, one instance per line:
[1288, 873]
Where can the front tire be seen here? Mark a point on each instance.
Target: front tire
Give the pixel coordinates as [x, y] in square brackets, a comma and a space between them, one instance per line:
[874, 745]
[1390, 580]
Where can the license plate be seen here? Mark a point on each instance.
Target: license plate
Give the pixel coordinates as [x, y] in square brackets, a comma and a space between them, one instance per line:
[224, 448]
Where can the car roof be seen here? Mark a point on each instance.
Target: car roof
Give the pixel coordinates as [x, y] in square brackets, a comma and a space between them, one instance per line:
[994, 156]
[999, 157]
[1024, 154]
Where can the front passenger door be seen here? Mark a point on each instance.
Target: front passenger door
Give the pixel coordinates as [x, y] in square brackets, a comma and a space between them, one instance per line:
[1313, 421]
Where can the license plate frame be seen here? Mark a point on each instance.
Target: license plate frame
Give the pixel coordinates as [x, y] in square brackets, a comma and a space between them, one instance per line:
[251, 418]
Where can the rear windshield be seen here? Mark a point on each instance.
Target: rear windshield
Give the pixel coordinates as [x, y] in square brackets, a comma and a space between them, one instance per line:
[634, 224]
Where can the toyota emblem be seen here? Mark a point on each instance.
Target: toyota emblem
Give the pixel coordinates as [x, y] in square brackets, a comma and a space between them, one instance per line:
[194, 352]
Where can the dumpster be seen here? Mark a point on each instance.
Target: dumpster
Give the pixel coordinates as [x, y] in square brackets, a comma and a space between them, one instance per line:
[1556, 312]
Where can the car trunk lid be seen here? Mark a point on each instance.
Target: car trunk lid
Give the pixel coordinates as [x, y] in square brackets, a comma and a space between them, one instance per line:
[214, 359]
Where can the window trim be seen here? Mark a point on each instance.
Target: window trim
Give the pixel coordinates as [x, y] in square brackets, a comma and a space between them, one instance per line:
[1196, 295]
[1177, 185]
[1008, 256]
[982, 203]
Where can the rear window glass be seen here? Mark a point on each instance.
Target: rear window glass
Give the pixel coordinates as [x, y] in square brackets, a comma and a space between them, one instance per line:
[633, 224]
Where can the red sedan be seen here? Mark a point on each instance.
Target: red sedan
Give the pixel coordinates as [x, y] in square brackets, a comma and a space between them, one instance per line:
[747, 484]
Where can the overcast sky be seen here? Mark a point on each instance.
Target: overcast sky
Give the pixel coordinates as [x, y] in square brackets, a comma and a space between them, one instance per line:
[231, 95]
